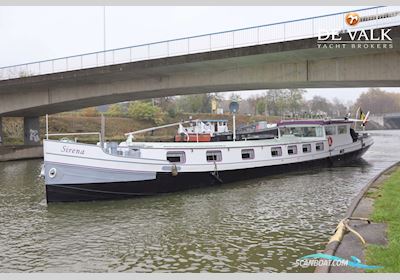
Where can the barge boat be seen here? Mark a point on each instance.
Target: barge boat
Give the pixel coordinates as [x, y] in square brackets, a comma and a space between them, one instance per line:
[82, 172]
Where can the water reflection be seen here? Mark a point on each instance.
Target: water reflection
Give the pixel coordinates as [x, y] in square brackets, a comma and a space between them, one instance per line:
[261, 225]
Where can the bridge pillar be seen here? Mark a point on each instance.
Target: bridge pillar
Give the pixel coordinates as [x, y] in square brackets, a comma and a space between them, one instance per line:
[31, 131]
[1, 132]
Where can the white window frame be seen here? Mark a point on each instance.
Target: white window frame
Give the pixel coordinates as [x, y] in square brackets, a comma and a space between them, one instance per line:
[251, 153]
[216, 153]
[278, 150]
[180, 154]
[308, 150]
[321, 145]
[294, 148]
[345, 129]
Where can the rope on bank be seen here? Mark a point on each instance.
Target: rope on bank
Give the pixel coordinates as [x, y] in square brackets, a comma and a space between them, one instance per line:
[343, 226]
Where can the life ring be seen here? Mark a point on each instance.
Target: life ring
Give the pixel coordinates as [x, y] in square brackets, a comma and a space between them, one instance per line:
[330, 141]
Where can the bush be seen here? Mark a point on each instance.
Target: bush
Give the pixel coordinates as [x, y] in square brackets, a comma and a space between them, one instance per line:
[172, 112]
[89, 112]
[115, 110]
[13, 130]
[145, 111]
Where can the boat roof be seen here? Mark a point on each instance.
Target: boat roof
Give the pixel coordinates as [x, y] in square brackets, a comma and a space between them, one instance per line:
[313, 122]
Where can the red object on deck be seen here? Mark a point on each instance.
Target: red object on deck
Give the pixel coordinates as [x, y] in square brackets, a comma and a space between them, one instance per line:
[193, 138]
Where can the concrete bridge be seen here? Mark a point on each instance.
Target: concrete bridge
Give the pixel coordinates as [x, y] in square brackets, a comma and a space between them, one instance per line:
[284, 55]
[389, 121]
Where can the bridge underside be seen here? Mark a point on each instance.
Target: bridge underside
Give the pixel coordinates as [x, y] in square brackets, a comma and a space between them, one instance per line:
[293, 64]
[392, 122]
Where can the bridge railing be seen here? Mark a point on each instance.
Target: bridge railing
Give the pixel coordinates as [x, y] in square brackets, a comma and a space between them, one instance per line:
[264, 34]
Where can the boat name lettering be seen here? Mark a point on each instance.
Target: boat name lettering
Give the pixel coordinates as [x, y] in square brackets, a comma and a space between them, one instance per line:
[66, 149]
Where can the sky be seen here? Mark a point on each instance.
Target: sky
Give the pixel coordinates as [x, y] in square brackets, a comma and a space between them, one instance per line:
[31, 34]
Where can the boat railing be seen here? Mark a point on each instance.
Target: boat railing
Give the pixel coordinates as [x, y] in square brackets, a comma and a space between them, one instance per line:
[100, 134]
[160, 127]
[73, 134]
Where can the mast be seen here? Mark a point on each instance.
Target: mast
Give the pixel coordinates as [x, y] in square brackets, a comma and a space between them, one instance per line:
[234, 107]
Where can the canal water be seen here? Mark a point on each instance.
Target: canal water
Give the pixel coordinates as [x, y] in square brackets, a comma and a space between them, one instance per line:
[262, 225]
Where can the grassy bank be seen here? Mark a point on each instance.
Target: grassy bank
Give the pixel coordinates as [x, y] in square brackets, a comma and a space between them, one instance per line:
[387, 210]
[115, 126]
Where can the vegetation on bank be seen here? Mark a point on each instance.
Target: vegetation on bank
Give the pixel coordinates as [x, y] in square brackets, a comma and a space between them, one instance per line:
[134, 115]
[115, 126]
[387, 210]
[274, 102]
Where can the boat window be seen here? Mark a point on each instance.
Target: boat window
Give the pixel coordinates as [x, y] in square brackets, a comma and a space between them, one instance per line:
[248, 154]
[306, 148]
[330, 130]
[214, 156]
[276, 151]
[319, 146]
[342, 129]
[309, 131]
[319, 131]
[178, 157]
[292, 150]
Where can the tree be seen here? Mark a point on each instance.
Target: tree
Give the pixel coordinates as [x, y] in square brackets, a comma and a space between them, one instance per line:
[235, 97]
[295, 100]
[378, 101]
[164, 102]
[89, 112]
[284, 101]
[338, 108]
[195, 103]
[320, 104]
[115, 110]
[261, 105]
[274, 101]
[253, 100]
[143, 110]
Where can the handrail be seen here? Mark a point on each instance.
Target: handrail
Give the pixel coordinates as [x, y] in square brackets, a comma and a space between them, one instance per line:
[102, 58]
[158, 127]
[192, 37]
[71, 134]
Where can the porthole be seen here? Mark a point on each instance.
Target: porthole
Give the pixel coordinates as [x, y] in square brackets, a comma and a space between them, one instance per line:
[52, 172]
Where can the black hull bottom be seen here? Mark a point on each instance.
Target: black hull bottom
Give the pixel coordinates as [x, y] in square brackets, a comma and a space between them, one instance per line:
[166, 183]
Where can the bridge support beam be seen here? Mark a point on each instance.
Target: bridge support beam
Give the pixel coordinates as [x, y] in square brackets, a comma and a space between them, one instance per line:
[1, 132]
[31, 131]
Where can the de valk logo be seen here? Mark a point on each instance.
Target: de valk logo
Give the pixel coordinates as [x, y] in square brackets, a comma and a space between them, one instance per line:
[352, 19]
[355, 36]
